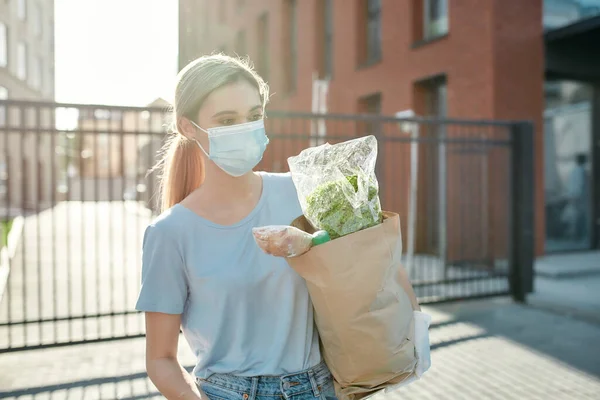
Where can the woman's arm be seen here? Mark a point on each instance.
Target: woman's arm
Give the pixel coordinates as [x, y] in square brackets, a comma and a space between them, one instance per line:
[169, 377]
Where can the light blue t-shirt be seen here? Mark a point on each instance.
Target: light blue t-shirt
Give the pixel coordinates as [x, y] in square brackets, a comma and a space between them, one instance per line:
[243, 312]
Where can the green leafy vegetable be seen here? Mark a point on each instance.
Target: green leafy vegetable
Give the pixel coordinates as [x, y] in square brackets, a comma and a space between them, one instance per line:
[330, 207]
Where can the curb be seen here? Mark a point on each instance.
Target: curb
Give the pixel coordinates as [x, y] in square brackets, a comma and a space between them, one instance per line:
[567, 274]
[7, 253]
[569, 311]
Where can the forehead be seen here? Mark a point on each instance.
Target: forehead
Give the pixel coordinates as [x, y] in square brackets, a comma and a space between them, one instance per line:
[240, 96]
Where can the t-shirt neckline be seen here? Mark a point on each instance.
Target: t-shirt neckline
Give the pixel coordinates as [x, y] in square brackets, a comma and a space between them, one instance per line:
[241, 222]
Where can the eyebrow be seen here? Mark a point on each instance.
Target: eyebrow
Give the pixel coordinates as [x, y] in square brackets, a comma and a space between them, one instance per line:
[227, 112]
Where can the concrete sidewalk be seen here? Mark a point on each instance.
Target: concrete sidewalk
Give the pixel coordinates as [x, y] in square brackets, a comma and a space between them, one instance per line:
[568, 284]
[490, 349]
[576, 264]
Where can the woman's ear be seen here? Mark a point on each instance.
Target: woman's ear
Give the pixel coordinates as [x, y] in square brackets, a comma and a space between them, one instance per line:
[186, 128]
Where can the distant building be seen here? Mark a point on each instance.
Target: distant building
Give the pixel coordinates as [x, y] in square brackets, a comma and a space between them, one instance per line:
[26, 73]
[495, 59]
[27, 50]
[117, 146]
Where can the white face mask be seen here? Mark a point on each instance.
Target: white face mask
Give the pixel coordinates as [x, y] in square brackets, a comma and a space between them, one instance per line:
[236, 149]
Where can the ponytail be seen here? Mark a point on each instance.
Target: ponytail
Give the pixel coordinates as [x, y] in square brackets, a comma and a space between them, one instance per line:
[182, 170]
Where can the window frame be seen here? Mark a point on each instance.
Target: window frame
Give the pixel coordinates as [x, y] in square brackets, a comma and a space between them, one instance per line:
[38, 21]
[262, 33]
[435, 105]
[441, 25]
[328, 32]
[3, 96]
[22, 61]
[38, 73]
[22, 10]
[291, 46]
[5, 46]
[373, 23]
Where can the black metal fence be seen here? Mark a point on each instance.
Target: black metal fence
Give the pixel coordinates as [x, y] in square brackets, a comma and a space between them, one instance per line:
[76, 196]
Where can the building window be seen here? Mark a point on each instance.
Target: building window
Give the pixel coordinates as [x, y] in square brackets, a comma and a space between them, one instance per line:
[22, 61]
[291, 45]
[4, 176]
[263, 46]
[370, 52]
[3, 45]
[3, 96]
[432, 94]
[569, 174]
[435, 21]
[46, 83]
[435, 97]
[222, 10]
[38, 29]
[22, 9]
[370, 105]
[325, 38]
[206, 24]
[37, 70]
[240, 43]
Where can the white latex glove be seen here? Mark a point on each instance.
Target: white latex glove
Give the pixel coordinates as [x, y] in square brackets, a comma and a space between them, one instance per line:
[282, 241]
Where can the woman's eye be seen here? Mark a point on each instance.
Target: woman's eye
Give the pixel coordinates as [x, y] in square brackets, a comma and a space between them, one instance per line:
[256, 117]
[227, 121]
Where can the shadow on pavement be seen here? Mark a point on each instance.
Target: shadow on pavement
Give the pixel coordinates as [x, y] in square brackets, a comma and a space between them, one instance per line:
[480, 349]
[567, 340]
[127, 387]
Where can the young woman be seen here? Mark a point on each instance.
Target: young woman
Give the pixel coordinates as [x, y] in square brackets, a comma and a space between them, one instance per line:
[246, 315]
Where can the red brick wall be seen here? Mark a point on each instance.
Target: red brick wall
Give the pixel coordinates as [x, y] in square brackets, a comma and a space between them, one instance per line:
[492, 59]
[519, 82]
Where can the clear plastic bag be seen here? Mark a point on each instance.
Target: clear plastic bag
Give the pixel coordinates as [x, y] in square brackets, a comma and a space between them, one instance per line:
[337, 186]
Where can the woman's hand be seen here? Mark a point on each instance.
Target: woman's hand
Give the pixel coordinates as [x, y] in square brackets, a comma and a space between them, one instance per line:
[169, 377]
[282, 241]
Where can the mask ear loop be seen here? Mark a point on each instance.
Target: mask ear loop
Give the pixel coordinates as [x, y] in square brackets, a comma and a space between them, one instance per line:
[196, 140]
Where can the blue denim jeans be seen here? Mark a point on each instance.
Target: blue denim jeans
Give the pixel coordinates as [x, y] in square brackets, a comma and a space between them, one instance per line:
[314, 383]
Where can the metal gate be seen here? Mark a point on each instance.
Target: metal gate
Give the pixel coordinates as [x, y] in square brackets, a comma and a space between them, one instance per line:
[76, 197]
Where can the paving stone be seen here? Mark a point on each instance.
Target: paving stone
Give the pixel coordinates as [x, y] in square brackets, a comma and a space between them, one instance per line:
[480, 350]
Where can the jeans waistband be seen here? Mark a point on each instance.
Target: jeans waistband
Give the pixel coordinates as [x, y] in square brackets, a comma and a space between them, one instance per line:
[312, 379]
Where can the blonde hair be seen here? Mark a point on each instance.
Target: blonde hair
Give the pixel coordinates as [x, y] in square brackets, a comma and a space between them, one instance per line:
[181, 163]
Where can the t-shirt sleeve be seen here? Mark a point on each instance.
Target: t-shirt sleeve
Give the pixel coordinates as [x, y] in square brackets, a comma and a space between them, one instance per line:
[292, 197]
[164, 284]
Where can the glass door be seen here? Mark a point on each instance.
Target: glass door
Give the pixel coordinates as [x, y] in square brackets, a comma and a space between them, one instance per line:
[568, 154]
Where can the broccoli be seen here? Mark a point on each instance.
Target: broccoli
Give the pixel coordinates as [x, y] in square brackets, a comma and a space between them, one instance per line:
[330, 209]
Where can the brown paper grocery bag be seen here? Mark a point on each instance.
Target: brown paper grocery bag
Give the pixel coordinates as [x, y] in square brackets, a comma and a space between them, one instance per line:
[363, 314]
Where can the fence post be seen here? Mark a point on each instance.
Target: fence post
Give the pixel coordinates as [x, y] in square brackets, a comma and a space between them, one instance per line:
[522, 210]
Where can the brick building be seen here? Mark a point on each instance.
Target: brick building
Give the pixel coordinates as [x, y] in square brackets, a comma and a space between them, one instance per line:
[112, 158]
[496, 59]
[26, 73]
